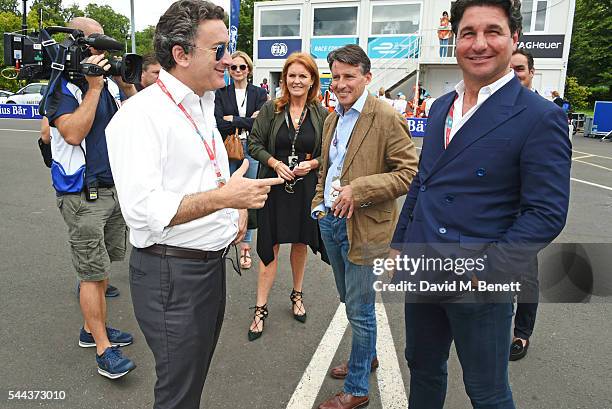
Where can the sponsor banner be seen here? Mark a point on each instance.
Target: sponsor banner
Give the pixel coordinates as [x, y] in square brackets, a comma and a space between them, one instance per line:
[277, 49]
[12, 111]
[417, 126]
[326, 79]
[394, 47]
[234, 23]
[542, 45]
[320, 47]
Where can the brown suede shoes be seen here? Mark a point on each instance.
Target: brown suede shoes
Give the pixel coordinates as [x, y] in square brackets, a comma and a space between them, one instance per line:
[345, 401]
[340, 372]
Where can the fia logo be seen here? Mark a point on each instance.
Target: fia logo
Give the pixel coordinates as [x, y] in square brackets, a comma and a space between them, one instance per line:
[279, 49]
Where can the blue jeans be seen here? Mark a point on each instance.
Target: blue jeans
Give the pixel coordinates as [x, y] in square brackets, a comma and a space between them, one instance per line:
[481, 332]
[251, 174]
[443, 47]
[355, 287]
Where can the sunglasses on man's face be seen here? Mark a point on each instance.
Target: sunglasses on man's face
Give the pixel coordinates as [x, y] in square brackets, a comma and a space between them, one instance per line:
[219, 50]
[242, 67]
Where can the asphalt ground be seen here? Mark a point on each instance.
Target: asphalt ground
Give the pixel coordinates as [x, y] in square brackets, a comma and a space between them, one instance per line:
[568, 365]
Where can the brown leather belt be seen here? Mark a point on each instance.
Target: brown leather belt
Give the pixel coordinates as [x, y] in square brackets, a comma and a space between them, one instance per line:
[181, 252]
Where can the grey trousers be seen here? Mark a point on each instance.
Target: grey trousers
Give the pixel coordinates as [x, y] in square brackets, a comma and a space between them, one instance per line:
[179, 305]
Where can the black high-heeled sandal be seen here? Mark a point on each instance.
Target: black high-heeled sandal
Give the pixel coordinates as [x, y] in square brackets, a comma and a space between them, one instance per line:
[261, 313]
[295, 297]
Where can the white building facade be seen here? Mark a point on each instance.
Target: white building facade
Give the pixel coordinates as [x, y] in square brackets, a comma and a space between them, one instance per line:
[401, 39]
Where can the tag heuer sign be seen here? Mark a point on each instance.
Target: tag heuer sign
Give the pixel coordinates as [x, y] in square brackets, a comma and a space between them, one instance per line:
[542, 46]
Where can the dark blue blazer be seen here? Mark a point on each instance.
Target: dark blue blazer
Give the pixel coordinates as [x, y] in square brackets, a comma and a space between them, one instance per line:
[225, 104]
[503, 179]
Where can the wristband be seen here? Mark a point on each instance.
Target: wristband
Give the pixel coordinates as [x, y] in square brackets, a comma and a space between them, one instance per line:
[278, 162]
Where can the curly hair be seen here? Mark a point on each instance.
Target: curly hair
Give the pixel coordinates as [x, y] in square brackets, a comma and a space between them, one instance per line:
[512, 8]
[179, 26]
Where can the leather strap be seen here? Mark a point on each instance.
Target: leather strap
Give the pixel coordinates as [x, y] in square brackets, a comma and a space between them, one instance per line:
[181, 252]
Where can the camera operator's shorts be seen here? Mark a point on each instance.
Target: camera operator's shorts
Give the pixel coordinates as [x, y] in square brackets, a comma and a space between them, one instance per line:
[96, 232]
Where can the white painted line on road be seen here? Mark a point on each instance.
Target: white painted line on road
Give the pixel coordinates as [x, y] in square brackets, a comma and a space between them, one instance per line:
[592, 154]
[314, 376]
[593, 164]
[390, 382]
[21, 130]
[592, 184]
[583, 157]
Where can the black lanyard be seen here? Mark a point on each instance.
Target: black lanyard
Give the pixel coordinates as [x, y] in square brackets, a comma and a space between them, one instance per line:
[296, 129]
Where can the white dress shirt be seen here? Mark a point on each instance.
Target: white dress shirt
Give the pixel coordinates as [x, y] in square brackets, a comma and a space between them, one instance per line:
[157, 158]
[485, 93]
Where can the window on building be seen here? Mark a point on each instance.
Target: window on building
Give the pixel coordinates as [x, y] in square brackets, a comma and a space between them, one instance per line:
[335, 21]
[534, 15]
[396, 19]
[280, 23]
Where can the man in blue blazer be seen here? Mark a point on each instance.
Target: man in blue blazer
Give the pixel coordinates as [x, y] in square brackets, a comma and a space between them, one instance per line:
[492, 184]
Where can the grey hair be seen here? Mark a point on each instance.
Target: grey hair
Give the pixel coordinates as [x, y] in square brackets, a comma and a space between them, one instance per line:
[350, 54]
[179, 26]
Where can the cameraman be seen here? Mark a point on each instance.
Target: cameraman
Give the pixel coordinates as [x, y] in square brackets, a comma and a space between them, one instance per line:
[88, 203]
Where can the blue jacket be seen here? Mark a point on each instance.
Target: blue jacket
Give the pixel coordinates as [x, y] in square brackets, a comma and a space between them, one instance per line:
[504, 179]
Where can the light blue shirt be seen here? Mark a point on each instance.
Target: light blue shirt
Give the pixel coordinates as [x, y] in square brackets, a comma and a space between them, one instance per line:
[337, 149]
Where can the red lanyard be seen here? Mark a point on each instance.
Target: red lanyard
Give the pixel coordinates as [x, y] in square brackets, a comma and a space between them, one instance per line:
[448, 124]
[212, 153]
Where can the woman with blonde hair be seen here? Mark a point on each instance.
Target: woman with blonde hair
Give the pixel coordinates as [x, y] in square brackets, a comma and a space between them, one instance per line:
[286, 140]
[236, 107]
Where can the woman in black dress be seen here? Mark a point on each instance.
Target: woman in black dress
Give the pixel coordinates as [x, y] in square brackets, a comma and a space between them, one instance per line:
[286, 140]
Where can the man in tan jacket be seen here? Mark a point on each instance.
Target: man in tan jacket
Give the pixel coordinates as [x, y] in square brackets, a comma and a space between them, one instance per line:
[368, 160]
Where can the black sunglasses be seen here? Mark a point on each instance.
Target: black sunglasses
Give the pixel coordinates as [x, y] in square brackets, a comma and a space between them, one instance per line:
[242, 67]
[219, 50]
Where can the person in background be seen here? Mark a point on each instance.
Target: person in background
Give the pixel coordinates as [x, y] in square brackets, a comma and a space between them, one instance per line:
[150, 71]
[523, 66]
[330, 100]
[428, 102]
[278, 91]
[400, 103]
[236, 107]
[557, 99]
[286, 140]
[264, 85]
[526, 301]
[444, 34]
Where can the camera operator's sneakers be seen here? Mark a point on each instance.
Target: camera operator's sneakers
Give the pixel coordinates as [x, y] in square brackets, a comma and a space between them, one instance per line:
[112, 364]
[116, 337]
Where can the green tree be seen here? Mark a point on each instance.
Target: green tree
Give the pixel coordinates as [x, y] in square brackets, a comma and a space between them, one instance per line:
[10, 6]
[144, 40]
[576, 94]
[9, 22]
[115, 25]
[71, 12]
[51, 11]
[245, 30]
[590, 58]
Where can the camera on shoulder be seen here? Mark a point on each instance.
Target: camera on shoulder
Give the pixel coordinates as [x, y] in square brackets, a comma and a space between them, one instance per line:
[35, 56]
